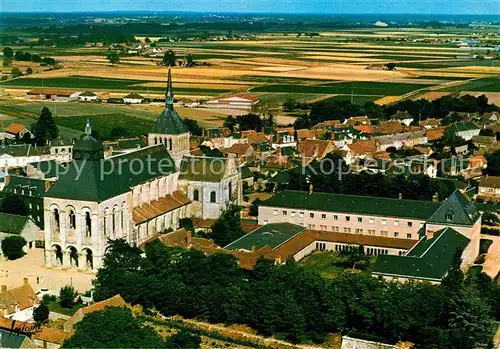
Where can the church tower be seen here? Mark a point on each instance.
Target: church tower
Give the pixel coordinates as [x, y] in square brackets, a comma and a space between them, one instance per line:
[169, 129]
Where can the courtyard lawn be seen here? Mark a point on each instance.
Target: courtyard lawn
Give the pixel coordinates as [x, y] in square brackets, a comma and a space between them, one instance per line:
[330, 264]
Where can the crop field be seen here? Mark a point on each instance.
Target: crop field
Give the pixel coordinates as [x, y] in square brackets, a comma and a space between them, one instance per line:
[274, 67]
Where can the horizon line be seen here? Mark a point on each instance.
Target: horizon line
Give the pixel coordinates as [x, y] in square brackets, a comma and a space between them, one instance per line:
[252, 12]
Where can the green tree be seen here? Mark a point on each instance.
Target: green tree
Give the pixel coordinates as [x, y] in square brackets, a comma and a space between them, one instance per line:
[67, 295]
[228, 227]
[189, 60]
[29, 71]
[254, 209]
[41, 313]
[390, 66]
[490, 218]
[170, 59]
[183, 339]
[8, 52]
[16, 72]
[454, 279]
[45, 128]
[13, 204]
[12, 247]
[119, 132]
[113, 58]
[186, 223]
[113, 327]
[147, 40]
[354, 255]
[193, 126]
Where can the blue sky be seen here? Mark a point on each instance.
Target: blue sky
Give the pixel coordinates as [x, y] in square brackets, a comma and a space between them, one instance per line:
[279, 6]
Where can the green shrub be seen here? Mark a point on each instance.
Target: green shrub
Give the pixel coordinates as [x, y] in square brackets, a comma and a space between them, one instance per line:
[12, 247]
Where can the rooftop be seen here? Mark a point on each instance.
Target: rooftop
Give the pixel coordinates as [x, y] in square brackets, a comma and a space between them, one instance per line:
[271, 235]
[12, 224]
[430, 259]
[365, 205]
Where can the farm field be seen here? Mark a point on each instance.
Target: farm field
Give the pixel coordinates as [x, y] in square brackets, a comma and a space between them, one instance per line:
[275, 67]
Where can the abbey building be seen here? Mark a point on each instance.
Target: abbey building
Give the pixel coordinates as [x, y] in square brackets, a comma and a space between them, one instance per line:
[132, 195]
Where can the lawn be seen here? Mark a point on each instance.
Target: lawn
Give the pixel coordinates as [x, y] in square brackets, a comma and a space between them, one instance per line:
[330, 264]
[360, 100]
[56, 308]
[359, 88]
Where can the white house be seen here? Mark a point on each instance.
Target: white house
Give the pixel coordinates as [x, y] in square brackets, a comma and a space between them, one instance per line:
[133, 98]
[87, 96]
[235, 102]
[18, 303]
[465, 130]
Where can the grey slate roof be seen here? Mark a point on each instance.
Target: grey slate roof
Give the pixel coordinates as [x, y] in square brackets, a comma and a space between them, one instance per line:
[364, 205]
[272, 235]
[169, 122]
[12, 224]
[456, 209]
[202, 169]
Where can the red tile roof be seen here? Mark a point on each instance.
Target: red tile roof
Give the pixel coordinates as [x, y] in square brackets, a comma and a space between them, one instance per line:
[159, 207]
[15, 129]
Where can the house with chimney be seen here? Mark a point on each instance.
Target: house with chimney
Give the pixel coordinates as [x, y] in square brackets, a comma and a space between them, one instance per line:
[18, 303]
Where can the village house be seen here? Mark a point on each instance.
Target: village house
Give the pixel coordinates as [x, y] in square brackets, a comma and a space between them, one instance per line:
[408, 139]
[312, 149]
[19, 131]
[14, 225]
[18, 303]
[489, 188]
[55, 95]
[465, 130]
[87, 96]
[133, 98]
[403, 117]
[235, 102]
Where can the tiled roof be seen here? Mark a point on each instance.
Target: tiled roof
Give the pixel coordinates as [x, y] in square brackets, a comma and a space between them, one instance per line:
[24, 296]
[12, 224]
[390, 127]
[15, 128]
[134, 95]
[256, 138]
[10, 339]
[87, 94]
[490, 181]
[202, 169]
[169, 122]
[363, 147]
[245, 172]
[159, 207]
[115, 301]
[464, 126]
[312, 147]
[353, 204]
[238, 149]
[428, 260]
[434, 134]
[50, 92]
[100, 180]
[51, 335]
[32, 187]
[268, 235]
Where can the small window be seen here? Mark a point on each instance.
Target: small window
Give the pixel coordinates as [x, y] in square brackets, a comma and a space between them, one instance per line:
[323, 216]
[347, 218]
[213, 197]
[311, 215]
[449, 216]
[360, 219]
[409, 224]
[265, 222]
[275, 212]
[372, 221]
[408, 236]
[359, 231]
[396, 235]
[384, 222]
[301, 214]
[284, 213]
[396, 223]
[196, 195]
[292, 213]
[335, 217]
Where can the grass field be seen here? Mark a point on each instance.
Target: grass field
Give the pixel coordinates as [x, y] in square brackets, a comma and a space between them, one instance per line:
[490, 84]
[359, 88]
[331, 265]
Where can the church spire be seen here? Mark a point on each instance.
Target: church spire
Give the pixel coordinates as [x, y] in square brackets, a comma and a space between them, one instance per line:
[169, 96]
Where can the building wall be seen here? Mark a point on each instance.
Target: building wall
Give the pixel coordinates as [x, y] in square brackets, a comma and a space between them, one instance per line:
[369, 225]
[355, 343]
[489, 193]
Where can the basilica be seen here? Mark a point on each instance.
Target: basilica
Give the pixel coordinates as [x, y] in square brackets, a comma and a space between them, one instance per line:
[132, 195]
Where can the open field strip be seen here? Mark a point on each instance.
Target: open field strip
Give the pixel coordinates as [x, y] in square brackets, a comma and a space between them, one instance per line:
[387, 100]
[344, 59]
[433, 95]
[490, 84]
[207, 86]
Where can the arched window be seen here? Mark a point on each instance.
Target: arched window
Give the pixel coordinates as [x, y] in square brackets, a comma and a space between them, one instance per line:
[230, 189]
[170, 144]
[113, 223]
[213, 196]
[56, 218]
[88, 225]
[156, 141]
[72, 219]
[196, 195]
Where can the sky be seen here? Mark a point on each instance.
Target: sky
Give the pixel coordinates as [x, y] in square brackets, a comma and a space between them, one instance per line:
[491, 7]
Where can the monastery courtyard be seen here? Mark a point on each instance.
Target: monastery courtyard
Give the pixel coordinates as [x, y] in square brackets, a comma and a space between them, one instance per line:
[32, 266]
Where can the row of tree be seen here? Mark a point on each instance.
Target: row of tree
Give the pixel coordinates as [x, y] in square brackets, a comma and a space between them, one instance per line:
[8, 55]
[299, 305]
[420, 109]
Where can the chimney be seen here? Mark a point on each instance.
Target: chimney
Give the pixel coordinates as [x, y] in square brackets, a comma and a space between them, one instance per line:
[429, 234]
[4, 288]
[400, 196]
[310, 189]
[25, 281]
[435, 197]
